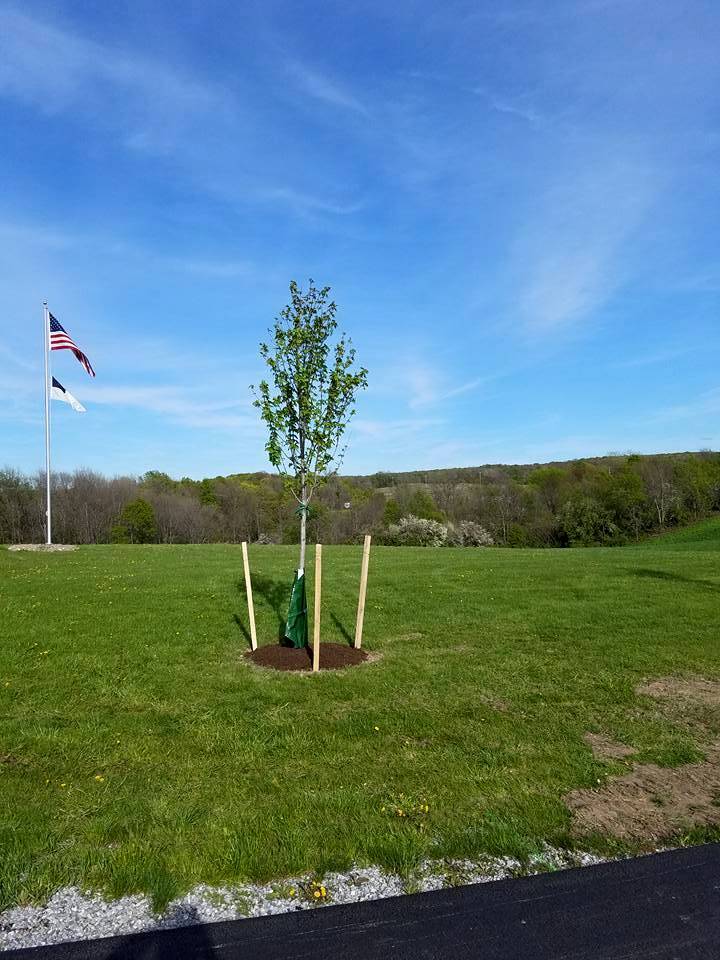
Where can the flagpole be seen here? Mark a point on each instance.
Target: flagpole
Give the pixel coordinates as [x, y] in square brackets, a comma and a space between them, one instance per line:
[46, 342]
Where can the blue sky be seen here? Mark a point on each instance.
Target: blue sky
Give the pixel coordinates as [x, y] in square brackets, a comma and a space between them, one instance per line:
[516, 206]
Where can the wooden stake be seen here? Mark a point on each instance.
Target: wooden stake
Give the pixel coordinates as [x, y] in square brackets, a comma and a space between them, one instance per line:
[363, 590]
[316, 622]
[248, 591]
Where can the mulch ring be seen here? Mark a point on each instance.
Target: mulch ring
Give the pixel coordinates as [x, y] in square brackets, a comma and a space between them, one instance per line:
[333, 656]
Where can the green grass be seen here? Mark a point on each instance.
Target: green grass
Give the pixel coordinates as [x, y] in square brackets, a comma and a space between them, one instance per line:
[125, 663]
[699, 536]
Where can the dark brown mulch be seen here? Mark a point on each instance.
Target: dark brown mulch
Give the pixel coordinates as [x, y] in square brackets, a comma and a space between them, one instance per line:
[333, 656]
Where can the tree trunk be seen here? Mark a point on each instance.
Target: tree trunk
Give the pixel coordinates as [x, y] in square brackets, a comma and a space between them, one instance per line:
[303, 526]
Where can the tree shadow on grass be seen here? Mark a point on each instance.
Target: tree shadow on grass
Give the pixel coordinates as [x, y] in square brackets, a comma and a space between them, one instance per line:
[276, 593]
[648, 574]
[243, 629]
[341, 627]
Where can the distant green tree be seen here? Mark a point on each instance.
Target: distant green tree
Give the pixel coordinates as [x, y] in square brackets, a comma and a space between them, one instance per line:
[550, 483]
[206, 493]
[517, 535]
[391, 513]
[136, 524]
[698, 481]
[583, 521]
[580, 470]
[382, 479]
[157, 481]
[623, 494]
[421, 504]
[16, 505]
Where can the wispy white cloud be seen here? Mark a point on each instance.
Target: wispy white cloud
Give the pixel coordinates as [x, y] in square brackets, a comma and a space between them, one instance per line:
[707, 404]
[420, 382]
[304, 203]
[219, 269]
[517, 107]
[468, 387]
[129, 251]
[424, 383]
[652, 357]
[37, 234]
[568, 258]
[516, 16]
[22, 390]
[57, 70]
[417, 383]
[392, 429]
[205, 130]
[707, 281]
[183, 406]
[14, 359]
[455, 453]
[327, 90]
[382, 443]
[431, 390]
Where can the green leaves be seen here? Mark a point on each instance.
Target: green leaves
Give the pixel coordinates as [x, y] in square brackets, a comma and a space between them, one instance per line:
[308, 399]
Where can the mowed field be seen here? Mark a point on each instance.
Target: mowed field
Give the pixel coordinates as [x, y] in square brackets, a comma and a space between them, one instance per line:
[140, 752]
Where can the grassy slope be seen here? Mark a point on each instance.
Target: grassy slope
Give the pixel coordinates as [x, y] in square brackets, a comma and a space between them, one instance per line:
[704, 535]
[125, 663]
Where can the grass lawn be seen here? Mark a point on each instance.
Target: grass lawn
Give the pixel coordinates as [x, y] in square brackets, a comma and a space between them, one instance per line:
[138, 752]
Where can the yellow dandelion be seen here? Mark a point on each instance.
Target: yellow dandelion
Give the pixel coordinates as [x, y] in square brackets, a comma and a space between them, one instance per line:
[291, 892]
[317, 893]
[323, 891]
[63, 784]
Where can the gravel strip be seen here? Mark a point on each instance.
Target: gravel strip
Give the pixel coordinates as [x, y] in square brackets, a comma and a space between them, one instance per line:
[44, 547]
[71, 914]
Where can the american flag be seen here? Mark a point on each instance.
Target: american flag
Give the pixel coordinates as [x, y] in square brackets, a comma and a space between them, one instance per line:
[60, 340]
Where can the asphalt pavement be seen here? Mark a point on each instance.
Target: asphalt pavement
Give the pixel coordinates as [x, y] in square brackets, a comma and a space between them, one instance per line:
[665, 907]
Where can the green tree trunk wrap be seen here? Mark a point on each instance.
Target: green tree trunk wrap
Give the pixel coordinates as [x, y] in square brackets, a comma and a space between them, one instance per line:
[296, 628]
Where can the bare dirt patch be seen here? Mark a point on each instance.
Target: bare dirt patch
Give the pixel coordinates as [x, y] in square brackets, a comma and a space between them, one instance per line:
[694, 689]
[692, 703]
[604, 748]
[651, 803]
[495, 703]
[8, 760]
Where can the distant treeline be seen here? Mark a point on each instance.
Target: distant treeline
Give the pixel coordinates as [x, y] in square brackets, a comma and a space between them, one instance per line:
[608, 500]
